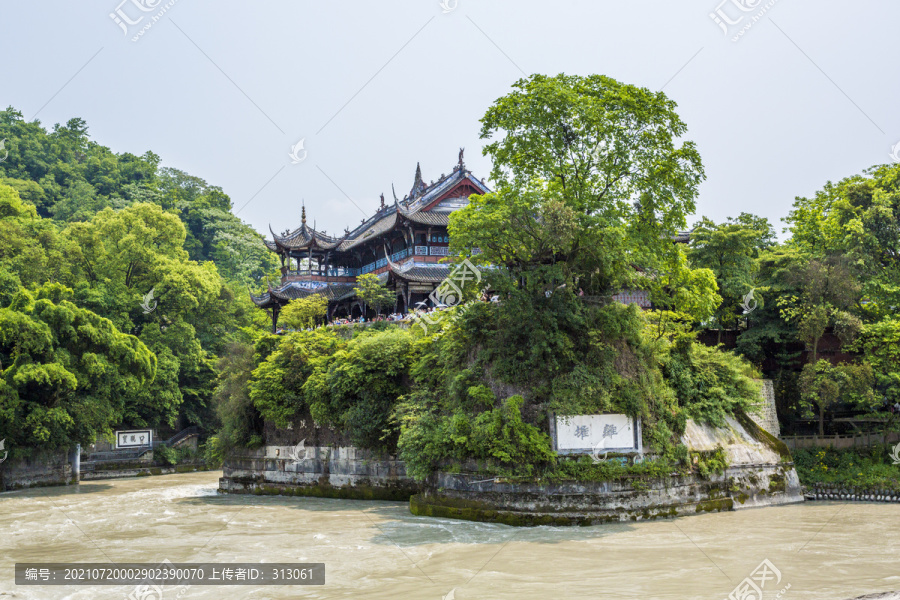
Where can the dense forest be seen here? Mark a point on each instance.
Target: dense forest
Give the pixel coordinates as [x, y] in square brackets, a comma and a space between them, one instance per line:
[87, 235]
[592, 182]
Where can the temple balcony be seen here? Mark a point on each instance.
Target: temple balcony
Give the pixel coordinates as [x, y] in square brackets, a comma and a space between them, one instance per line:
[340, 275]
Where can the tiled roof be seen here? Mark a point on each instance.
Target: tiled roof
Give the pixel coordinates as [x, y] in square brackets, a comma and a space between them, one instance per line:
[433, 191]
[264, 299]
[422, 195]
[296, 289]
[376, 228]
[304, 237]
[422, 273]
[427, 217]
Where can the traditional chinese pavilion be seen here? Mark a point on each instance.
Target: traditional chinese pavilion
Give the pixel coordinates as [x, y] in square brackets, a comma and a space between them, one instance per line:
[402, 243]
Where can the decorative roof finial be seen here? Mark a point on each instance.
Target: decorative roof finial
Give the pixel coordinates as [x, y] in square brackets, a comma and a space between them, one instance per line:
[461, 165]
[418, 184]
[382, 200]
[303, 214]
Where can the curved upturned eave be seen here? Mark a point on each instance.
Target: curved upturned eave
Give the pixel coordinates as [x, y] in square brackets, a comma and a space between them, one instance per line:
[310, 239]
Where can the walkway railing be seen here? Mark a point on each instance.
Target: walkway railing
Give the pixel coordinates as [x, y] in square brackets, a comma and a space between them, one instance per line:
[860, 440]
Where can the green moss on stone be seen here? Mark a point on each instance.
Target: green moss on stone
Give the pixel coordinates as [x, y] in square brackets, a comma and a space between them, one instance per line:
[763, 436]
[715, 505]
[470, 510]
[777, 483]
[357, 492]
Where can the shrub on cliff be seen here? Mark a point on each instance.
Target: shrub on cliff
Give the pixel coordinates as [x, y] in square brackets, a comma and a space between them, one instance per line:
[498, 437]
[356, 388]
[710, 384]
[276, 387]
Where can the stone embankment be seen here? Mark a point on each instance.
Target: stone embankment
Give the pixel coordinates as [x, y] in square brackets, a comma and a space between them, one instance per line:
[324, 471]
[826, 491]
[759, 473]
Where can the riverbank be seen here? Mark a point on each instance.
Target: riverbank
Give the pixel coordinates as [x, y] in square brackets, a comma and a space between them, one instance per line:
[118, 472]
[755, 471]
[378, 550]
[51, 470]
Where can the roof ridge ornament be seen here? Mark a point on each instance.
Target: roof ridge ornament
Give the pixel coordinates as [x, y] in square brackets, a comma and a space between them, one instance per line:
[382, 201]
[461, 165]
[418, 183]
[303, 214]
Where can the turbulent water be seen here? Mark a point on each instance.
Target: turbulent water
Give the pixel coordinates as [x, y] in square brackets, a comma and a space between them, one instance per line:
[378, 550]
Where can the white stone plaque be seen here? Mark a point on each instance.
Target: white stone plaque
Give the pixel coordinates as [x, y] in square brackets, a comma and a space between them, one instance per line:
[134, 438]
[585, 433]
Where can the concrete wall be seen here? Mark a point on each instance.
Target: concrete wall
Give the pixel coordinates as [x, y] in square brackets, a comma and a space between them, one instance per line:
[760, 469]
[36, 471]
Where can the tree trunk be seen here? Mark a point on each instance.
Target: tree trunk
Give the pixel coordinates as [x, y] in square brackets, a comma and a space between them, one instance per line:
[821, 421]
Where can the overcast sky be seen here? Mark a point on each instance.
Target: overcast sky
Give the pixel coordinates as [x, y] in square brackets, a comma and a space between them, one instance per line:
[224, 89]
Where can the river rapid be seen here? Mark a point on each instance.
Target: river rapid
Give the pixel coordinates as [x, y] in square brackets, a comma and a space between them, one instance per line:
[373, 550]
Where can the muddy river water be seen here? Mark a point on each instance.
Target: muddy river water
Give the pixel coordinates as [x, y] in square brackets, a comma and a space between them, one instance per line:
[821, 550]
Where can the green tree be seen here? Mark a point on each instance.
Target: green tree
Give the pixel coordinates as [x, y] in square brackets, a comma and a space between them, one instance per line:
[823, 385]
[277, 386]
[856, 218]
[606, 151]
[731, 250]
[371, 291]
[240, 423]
[66, 374]
[304, 312]
[124, 255]
[879, 343]
[357, 388]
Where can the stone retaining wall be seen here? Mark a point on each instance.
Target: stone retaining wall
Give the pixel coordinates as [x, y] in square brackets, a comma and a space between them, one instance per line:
[768, 417]
[331, 472]
[827, 491]
[37, 471]
[760, 473]
[585, 503]
[139, 471]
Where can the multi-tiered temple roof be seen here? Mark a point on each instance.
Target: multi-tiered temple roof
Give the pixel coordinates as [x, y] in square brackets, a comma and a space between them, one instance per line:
[403, 243]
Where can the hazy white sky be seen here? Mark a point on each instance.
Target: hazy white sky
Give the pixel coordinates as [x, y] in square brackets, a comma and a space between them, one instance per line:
[224, 89]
